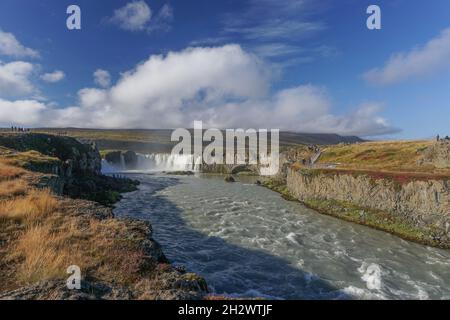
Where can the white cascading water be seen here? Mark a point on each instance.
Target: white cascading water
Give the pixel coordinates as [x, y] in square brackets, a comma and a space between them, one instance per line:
[156, 162]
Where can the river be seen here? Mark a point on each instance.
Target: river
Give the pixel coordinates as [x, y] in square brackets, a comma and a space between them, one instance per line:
[247, 241]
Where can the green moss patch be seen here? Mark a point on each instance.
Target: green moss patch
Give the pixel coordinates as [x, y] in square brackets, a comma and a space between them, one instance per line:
[280, 187]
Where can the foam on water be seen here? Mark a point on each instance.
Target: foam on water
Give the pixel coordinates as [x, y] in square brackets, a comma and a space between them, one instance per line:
[371, 275]
[291, 238]
[247, 241]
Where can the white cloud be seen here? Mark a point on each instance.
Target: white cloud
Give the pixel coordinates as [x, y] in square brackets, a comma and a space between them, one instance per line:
[277, 49]
[305, 108]
[225, 87]
[134, 16]
[162, 20]
[102, 78]
[10, 46]
[15, 79]
[278, 28]
[156, 92]
[433, 57]
[53, 77]
[262, 20]
[138, 16]
[21, 112]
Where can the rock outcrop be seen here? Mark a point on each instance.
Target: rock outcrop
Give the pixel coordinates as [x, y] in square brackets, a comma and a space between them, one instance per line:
[124, 160]
[114, 157]
[437, 155]
[73, 168]
[424, 204]
[230, 169]
[75, 157]
[130, 159]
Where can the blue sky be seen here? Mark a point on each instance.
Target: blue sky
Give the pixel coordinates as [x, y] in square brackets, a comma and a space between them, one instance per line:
[299, 65]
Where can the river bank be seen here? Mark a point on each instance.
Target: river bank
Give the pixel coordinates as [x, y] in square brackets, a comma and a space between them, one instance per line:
[46, 226]
[377, 219]
[398, 187]
[246, 241]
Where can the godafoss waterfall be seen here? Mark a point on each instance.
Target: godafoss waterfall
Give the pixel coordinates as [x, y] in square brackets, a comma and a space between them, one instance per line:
[249, 242]
[154, 162]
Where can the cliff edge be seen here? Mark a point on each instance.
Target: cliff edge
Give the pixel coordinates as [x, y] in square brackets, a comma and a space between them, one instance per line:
[45, 227]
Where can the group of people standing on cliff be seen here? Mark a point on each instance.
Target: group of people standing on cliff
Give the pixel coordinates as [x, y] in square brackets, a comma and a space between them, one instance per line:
[19, 129]
[438, 138]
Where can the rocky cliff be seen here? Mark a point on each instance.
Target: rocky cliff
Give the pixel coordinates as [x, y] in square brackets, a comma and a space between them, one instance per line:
[437, 155]
[71, 167]
[419, 204]
[75, 157]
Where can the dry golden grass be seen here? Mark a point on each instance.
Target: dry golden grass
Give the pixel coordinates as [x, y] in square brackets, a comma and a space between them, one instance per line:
[41, 236]
[44, 254]
[13, 188]
[46, 250]
[8, 172]
[385, 155]
[36, 204]
[27, 158]
[118, 259]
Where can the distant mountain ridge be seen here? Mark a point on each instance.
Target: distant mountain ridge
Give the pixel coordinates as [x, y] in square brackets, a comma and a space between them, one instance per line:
[158, 140]
[287, 138]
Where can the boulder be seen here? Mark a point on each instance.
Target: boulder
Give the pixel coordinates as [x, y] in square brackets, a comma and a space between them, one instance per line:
[229, 179]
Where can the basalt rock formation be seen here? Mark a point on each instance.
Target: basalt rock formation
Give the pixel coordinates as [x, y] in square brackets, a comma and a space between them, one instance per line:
[417, 204]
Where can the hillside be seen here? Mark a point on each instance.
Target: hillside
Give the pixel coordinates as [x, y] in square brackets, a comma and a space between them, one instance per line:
[392, 156]
[146, 141]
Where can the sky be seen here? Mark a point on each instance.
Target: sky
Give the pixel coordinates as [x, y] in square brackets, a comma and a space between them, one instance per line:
[298, 65]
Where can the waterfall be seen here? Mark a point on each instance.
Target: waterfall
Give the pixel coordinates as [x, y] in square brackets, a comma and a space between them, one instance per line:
[122, 161]
[156, 162]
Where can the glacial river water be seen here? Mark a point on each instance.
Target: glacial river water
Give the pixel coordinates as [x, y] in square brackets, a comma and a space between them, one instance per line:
[247, 241]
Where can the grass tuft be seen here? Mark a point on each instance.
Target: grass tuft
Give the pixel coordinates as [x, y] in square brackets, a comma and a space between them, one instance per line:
[13, 188]
[36, 204]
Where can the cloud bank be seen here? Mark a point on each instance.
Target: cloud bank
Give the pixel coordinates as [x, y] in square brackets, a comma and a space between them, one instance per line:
[225, 87]
[23, 112]
[10, 46]
[421, 61]
[15, 79]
